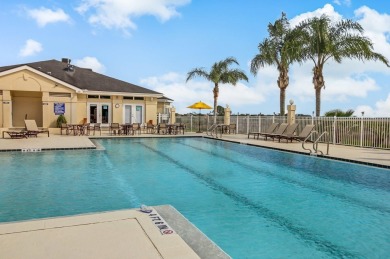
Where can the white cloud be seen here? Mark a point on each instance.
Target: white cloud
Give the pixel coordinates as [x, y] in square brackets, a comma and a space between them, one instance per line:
[344, 2]
[328, 9]
[173, 85]
[90, 62]
[119, 14]
[44, 16]
[381, 109]
[30, 48]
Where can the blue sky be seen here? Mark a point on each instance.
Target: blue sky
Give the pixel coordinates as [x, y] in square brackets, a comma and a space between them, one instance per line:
[154, 43]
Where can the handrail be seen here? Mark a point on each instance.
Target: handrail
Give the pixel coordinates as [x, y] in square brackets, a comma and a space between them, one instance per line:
[303, 142]
[213, 130]
[315, 143]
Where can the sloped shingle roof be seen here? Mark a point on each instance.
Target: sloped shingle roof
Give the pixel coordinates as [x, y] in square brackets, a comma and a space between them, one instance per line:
[83, 78]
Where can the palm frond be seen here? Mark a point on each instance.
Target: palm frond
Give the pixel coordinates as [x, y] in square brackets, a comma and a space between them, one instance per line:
[200, 72]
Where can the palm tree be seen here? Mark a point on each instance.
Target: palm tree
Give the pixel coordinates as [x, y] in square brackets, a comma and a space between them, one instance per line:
[339, 113]
[273, 51]
[219, 73]
[319, 40]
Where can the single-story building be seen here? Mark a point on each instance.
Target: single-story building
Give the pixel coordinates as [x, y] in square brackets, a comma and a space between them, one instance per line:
[43, 90]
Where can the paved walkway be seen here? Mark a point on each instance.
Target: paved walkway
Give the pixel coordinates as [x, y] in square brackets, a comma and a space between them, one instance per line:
[370, 156]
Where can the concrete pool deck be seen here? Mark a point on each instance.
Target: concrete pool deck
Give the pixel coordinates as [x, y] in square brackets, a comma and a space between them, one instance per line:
[115, 234]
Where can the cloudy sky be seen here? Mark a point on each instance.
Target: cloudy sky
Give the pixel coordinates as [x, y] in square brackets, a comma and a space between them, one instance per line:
[154, 43]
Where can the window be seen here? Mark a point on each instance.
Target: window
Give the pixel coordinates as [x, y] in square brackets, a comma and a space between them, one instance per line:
[93, 96]
[59, 94]
[128, 97]
[139, 98]
[105, 97]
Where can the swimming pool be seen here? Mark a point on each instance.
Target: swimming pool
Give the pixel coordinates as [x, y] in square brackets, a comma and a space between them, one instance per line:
[253, 202]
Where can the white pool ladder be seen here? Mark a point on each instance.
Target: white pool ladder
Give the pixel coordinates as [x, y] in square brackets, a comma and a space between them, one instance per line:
[315, 149]
[213, 131]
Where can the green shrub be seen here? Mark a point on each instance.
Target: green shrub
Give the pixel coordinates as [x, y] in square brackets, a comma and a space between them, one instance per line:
[61, 119]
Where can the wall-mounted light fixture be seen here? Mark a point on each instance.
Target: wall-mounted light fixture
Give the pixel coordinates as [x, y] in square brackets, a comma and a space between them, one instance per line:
[117, 105]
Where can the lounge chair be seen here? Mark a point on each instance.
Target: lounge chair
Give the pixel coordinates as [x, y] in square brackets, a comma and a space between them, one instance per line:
[282, 128]
[32, 128]
[16, 134]
[301, 137]
[290, 130]
[269, 130]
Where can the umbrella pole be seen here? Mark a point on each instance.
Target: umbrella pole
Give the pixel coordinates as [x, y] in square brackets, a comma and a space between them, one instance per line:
[199, 123]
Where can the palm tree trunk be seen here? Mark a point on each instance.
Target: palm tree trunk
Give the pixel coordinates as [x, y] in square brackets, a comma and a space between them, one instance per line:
[282, 100]
[283, 82]
[216, 93]
[318, 81]
[318, 101]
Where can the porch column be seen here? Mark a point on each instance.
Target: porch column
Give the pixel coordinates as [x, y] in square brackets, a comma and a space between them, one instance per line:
[73, 109]
[45, 110]
[291, 108]
[7, 109]
[173, 115]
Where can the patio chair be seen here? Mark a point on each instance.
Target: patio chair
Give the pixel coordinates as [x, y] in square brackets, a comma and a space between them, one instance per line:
[280, 130]
[290, 130]
[137, 128]
[232, 128]
[96, 127]
[114, 129]
[301, 137]
[269, 130]
[65, 126]
[162, 127]
[150, 128]
[180, 127]
[33, 130]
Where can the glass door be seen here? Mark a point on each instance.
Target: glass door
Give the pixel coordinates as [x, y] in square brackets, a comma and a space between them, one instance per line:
[128, 114]
[105, 113]
[99, 113]
[138, 114]
[93, 115]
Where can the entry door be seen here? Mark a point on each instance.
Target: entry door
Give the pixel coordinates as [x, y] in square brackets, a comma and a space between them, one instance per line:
[128, 114]
[99, 113]
[138, 114]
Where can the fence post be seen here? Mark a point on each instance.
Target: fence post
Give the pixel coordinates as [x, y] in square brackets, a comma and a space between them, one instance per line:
[273, 118]
[361, 132]
[191, 121]
[237, 122]
[259, 123]
[334, 130]
[247, 124]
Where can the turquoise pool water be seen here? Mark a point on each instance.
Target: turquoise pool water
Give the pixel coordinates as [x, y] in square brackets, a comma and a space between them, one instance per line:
[253, 202]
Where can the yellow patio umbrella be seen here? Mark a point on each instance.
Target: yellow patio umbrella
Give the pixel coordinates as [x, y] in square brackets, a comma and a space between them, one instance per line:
[199, 105]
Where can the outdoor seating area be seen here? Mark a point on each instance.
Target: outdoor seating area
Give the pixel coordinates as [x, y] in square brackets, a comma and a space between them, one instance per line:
[284, 131]
[117, 129]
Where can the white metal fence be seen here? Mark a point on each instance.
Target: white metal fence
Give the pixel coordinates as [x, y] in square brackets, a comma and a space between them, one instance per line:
[350, 131]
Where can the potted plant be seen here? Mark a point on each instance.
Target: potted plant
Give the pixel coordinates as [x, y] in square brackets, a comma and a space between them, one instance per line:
[61, 119]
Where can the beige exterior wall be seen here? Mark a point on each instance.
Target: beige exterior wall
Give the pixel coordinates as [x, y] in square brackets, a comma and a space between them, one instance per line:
[25, 92]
